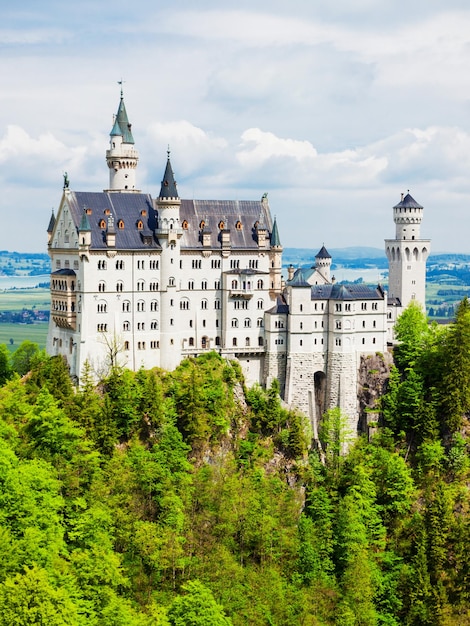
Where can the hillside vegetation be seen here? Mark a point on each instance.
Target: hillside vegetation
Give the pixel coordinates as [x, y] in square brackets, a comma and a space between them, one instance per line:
[182, 498]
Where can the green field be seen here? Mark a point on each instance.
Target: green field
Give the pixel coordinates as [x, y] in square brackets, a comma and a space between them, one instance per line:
[18, 299]
[21, 332]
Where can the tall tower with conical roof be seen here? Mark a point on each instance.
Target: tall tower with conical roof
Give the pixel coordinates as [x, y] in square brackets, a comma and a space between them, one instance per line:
[275, 260]
[323, 263]
[407, 254]
[169, 233]
[122, 157]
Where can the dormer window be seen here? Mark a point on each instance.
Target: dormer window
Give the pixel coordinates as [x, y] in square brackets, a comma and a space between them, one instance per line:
[120, 224]
[88, 211]
[107, 212]
[140, 225]
[185, 225]
[143, 213]
[238, 225]
[102, 224]
[202, 225]
[221, 225]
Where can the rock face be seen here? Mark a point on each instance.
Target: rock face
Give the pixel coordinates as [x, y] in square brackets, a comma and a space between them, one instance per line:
[374, 372]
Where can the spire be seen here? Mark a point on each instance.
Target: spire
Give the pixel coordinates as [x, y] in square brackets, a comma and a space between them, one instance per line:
[168, 188]
[323, 254]
[121, 125]
[50, 228]
[275, 239]
[84, 223]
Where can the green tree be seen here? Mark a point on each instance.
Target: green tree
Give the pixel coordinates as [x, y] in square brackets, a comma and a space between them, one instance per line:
[29, 599]
[197, 608]
[24, 357]
[5, 368]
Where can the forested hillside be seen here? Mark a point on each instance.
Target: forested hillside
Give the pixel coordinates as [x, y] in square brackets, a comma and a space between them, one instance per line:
[182, 498]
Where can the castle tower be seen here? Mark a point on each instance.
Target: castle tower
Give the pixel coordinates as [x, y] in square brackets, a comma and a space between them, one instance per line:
[323, 263]
[169, 233]
[407, 254]
[122, 157]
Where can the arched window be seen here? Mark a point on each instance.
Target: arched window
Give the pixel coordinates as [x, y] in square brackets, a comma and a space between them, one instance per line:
[191, 342]
[126, 306]
[126, 326]
[234, 284]
[102, 224]
[185, 225]
[184, 304]
[120, 224]
[154, 305]
[141, 305]
[101, 286]
[204, 304]
[247, 322]
[154, 325]
[260, 342]
[171, 281]
[260, 304]
[234, 323]
[119, 265]
[140, 285]
[119, 285]
[259, 284]
[140, 225]
[247, 342]
[259, 322]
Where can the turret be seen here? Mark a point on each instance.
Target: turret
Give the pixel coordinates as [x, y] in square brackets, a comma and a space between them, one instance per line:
[84, 236]
[275, 257]
[122, 157]
[323, 263]
[50, 228]
[407, 254]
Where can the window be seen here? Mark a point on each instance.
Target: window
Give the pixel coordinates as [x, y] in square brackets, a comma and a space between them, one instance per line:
[154, 325]
[126, 306]
[215, 264]
[338, 341]
[140, 305]
[102, 224]
[102, 328]
[171, 281]
[140, 325]
[363, 306]
[154, 345]
[184, 304]
[101, 286]
[101, 265]
[338, 325]
[234, 342]
[259, 284]
[140, 285]
[102, 306]
[234, 264]
[154, 286]
[234, 284]
[140, 225]
[247, 323]
[260, 304]
[301, 325]
[191, 342]
[234, 323]
[204, 284]
[126, 326]
[375, 306]
[347, 307]
[154, 305]
[217, 285]
[185, 225]
[217, 304]
[154, 264]
[204, 305]
[374, 324]
[217, 341]
[126, 345]
[191, 285]
[141, 345]
[120, 224]
[119, 286]
[247, 342]
[259, 322]
[119, 265]
[337, 307]
[238, 225]
[196, 264]
[253, 264]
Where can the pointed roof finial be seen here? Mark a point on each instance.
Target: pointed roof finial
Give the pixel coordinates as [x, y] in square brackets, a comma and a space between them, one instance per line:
[168, 152]
[121, 82]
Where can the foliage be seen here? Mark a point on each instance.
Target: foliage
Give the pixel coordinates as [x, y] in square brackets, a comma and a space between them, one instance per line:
[155, 498]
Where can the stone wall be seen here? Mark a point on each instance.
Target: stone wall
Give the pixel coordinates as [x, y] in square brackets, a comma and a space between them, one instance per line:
[342, 379]
[275, 367]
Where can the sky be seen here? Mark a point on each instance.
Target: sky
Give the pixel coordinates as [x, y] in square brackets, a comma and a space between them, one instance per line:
[332, 108]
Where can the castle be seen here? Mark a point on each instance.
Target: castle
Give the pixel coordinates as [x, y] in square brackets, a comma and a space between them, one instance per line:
[146, 282]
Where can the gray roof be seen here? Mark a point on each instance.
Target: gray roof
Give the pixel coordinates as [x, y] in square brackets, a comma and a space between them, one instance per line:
[238, 216]
[122, 123]
[346, 292]
[131, 208]
[408, 202]
[275, 239]
[50, 228]
[64, 272]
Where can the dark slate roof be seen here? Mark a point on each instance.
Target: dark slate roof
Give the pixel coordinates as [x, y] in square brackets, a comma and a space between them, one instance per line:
[122, 123]
[50, 228]
[122, 206]
[168, 188]
[408, 202]
[129, 206]
[230, 212]
[64, 272]
[275, 239]
[346, 292]
[323, 254]
[280, 308]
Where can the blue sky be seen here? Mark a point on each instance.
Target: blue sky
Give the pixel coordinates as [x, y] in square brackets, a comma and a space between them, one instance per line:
[333, 108]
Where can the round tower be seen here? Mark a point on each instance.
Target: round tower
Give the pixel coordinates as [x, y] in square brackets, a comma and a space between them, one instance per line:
[407, 254]
[275, 260]
[323, 263]
[122, 157]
